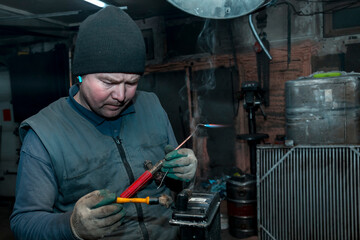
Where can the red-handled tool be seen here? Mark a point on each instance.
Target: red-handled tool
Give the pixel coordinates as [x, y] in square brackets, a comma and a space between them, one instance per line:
[148, 175]
[142, 180]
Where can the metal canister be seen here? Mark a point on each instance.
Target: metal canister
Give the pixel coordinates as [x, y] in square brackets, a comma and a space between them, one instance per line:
[323, 110]
[241, 206]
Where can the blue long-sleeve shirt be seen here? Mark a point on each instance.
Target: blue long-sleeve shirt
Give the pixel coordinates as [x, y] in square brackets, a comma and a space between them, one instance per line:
[36, 186]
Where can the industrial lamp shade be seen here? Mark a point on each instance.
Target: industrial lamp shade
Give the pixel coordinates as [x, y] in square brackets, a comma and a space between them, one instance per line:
[218, 9]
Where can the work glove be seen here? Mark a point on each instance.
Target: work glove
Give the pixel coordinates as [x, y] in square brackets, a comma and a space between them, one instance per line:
[96, 214]
[179, 164]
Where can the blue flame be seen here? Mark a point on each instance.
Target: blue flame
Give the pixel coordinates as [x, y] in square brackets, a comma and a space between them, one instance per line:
[209, 125]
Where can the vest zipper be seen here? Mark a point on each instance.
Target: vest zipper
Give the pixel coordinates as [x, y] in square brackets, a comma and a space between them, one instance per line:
[130, 174]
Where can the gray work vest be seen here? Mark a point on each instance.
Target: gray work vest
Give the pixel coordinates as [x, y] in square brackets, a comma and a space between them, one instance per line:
[85, 160]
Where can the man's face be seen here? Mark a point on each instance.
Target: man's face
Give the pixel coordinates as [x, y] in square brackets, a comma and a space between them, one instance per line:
[107, 94]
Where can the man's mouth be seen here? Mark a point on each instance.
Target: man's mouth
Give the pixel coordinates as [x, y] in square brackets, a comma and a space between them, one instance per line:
[113, 107]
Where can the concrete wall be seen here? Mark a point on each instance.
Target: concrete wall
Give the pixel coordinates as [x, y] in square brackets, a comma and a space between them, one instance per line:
[303, 28]
[277, 23]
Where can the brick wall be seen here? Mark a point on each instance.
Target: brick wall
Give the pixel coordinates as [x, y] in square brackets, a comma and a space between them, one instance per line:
[280, 72]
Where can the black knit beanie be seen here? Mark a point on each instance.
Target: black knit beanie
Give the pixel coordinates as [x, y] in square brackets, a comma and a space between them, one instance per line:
[109, 41]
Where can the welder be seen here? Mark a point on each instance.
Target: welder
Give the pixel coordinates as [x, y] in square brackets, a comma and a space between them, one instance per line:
[83, 150]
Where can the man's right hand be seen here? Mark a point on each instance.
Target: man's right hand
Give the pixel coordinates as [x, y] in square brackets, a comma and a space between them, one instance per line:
[96, 214]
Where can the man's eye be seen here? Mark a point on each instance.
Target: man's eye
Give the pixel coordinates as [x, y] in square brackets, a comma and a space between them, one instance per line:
[107, 82]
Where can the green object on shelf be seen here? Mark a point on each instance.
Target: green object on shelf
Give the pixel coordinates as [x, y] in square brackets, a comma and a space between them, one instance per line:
[328, 74]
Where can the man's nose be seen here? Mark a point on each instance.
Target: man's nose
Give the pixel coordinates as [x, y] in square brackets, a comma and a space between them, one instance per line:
[119, 92]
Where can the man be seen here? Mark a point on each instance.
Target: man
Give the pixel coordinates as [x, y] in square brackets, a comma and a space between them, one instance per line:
[82, 151]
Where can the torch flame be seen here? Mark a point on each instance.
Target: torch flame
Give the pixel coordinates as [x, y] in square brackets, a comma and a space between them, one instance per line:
[210, 125]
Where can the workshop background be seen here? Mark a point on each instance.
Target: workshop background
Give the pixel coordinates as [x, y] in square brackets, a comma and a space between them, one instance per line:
[204, 70]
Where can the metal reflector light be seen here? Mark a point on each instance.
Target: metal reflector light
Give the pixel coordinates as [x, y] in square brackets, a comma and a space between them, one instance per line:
[218, 9]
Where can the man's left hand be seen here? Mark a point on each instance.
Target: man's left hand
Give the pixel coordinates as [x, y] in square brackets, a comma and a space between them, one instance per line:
[180, 164]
